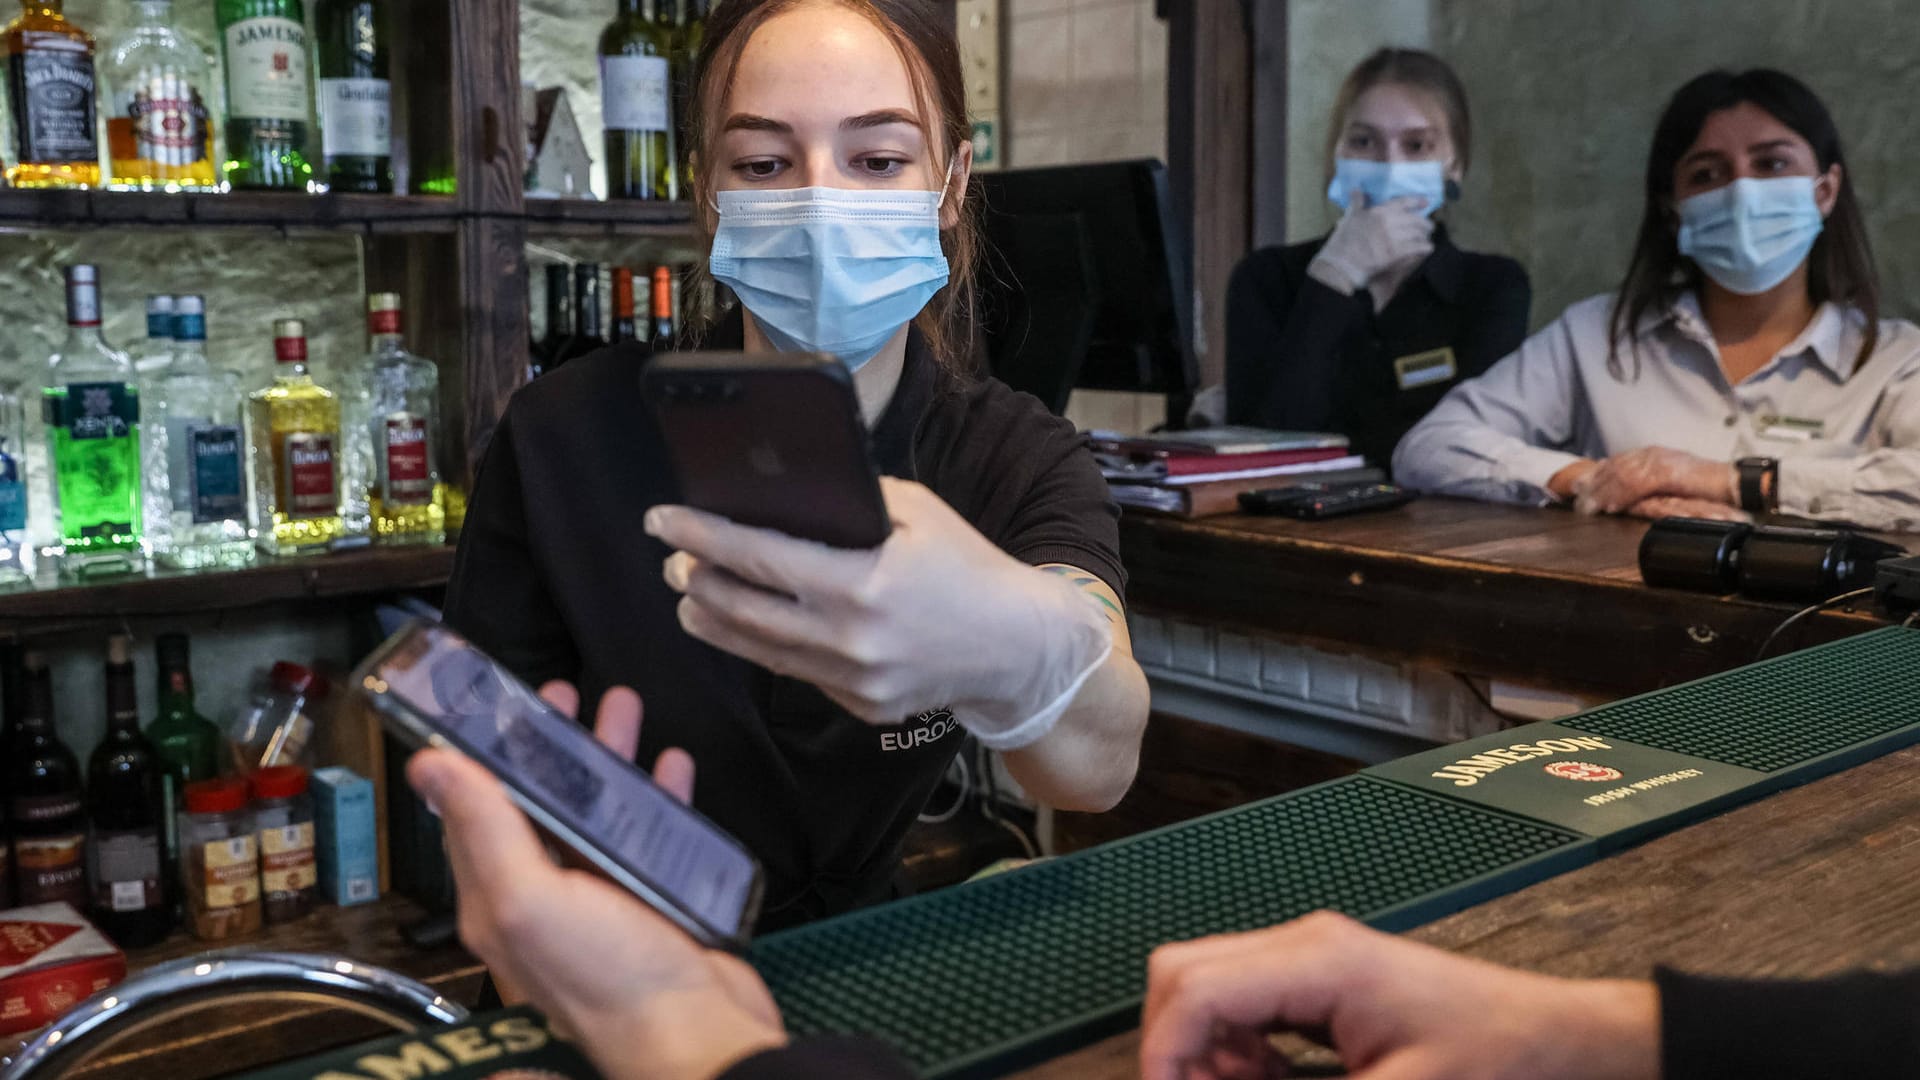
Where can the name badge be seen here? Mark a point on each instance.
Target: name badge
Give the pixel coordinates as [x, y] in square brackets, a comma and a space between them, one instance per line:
[1425, 368]
[1790, 428]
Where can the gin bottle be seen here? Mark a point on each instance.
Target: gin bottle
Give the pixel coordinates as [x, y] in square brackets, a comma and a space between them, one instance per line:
[293, 428]
[90, 407]
[198, 418]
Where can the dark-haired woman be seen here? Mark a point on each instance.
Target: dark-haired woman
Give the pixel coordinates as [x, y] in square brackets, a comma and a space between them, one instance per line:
[1362, 331]
[823, 692]
[1743, 366]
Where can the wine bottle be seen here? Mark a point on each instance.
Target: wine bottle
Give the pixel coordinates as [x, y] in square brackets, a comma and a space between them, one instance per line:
[355, 97]
[125, 817]
[624, 328]
[559, 317]
[269, 99]
[50, 84]
[586, 314]
[662, 330]
[636, 100]
[689, 34]
[43, 785]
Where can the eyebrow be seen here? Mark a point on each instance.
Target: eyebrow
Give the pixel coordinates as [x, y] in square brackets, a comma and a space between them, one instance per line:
[1770, 144]
[877, 118]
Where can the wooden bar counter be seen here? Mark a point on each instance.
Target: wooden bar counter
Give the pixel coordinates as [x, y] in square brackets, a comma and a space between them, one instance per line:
[1535, 596]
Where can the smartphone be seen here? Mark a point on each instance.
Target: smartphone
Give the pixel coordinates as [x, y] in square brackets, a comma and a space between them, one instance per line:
[431, 687]
[773, 440]
[1316, 502]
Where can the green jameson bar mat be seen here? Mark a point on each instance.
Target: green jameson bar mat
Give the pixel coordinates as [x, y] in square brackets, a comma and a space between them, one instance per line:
[984, 977]
[511, 1045]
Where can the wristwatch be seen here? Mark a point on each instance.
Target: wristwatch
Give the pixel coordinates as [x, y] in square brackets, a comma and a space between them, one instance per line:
[1759, 484]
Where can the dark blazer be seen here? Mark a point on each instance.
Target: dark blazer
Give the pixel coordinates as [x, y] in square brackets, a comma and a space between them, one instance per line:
[1301, 356]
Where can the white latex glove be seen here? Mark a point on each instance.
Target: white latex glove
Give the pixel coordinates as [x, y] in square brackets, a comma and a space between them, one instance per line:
[1371, 240]
[936, 617]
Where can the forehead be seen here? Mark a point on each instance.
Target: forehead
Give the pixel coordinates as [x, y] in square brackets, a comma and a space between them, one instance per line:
[820, 57]
[1735, 130]
[1395, 107]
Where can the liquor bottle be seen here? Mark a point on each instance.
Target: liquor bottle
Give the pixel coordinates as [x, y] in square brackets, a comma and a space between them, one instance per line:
[689, 34]
[559, 317]
[160, 120]
[51, 91]
[269, 99]
[662, 329]
[16, 549]
[355, 98]
[125, 817]
[586, 314]
[43, 781]
[91, 411]
[293, 427]
[636, 101]
[10, 691]
[407, 500]
[624, 327]
[186, 743]
[152, 356]
[203, 450]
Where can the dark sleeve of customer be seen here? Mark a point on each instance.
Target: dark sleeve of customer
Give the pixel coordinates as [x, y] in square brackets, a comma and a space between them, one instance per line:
[497, 595]
[1285, 333]
[842, 1058]
[1860, 1026]
[1496, 322]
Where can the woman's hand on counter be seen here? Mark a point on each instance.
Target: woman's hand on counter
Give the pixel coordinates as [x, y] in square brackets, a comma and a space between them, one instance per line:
[645, 1001]
[1624, 481]
[1393, 1009]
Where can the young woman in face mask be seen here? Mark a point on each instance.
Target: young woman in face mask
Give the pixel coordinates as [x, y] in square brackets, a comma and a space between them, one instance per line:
[1362, 331]
[823, 692]
[1742, 368]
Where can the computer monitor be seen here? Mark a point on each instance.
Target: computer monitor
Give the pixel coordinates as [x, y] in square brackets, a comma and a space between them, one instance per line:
[1085, 282]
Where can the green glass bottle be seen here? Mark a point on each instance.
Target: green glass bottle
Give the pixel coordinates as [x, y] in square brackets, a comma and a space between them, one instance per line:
[91, 407]
[356, 119]
[269, 93]
[689, 34]
[187, 743]
[636, 101]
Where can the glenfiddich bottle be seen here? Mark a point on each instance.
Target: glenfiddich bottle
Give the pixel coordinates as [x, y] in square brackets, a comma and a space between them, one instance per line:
[355, 96]
[293, 426]
[269, 94]
[51, 90]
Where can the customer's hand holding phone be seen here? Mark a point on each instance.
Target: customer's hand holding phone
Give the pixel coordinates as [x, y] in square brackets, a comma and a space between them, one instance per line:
[642, 998]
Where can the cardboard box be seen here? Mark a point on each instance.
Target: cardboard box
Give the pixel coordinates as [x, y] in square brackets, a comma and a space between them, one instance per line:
[348, 837]
[51, 959]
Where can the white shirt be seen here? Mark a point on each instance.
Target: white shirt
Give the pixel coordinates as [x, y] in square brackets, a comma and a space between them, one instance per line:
[1848, 439]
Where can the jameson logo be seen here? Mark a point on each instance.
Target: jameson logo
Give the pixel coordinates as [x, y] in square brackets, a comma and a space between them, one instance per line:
[99, 411]
[270, 31]
[1469, 771]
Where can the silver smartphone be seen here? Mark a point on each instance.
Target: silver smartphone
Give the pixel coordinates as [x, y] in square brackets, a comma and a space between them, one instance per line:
[431, 687]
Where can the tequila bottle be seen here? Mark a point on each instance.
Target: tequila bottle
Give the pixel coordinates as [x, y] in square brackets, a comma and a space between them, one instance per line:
[406, 499]
[293, 427]
[90, 407]
[154, 354]
[199, 425]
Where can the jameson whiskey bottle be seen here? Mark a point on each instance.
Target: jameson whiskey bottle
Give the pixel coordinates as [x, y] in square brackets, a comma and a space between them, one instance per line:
[636, 101]
[269, 99]
[203, 452]
[43, 788]
[407, 501]
[293, 425]
[91, 409]
[355, 97]
[125, 818]
[51, 91]
[160, 124]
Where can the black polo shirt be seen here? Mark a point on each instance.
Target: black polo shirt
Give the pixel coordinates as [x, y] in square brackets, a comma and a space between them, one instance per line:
[1301, 356]
[556, 578]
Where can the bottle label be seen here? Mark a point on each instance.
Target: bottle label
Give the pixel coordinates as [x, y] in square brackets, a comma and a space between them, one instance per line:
[126, 870]
[170, 123]
[406, 473]
[95, 410]
[232, 872]
[13, 493]
[52, 868]
[356, 117]
[53, 74]
[38, 808]
[267, 69]
[287, 860]
[307, 487]
[634, 93]
[217, 491]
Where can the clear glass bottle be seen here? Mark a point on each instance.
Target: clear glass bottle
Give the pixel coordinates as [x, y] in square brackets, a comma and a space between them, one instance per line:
[293, 429]
[203, 446]
[406, 499]
[160, 113]
[51, 90]
[16, 551]
[152, 356]
[91, 412]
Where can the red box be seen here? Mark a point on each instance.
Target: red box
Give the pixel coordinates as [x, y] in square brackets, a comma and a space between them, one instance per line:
[51, 959]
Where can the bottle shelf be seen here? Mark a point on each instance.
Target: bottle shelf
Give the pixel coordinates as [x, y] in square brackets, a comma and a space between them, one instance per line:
[238, 209]
[612, 217]
[52, 603]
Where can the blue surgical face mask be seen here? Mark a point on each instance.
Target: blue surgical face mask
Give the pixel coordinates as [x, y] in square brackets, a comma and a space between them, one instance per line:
[1751, 234]
[1381, 181]
[829, 269]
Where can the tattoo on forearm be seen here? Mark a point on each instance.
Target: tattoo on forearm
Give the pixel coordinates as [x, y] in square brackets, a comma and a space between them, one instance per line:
[1089, 587]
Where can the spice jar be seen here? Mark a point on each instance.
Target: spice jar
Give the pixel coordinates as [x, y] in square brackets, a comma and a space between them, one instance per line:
[283, 816]
[219, 861]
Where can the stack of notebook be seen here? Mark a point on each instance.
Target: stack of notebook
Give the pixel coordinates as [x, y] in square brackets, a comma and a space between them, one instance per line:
[1197, 473]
